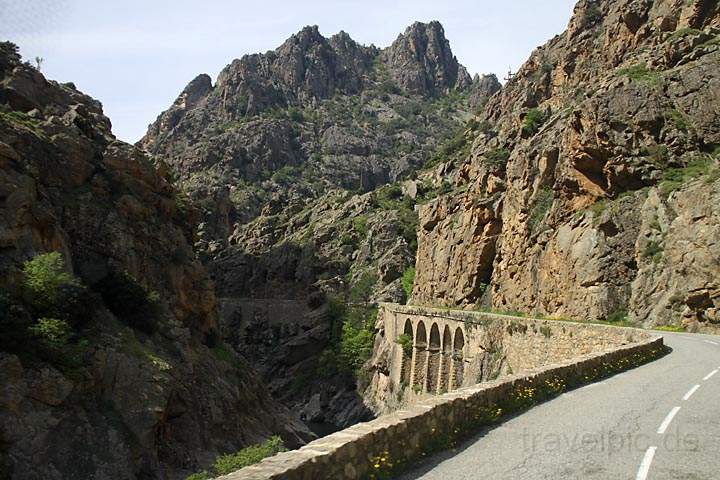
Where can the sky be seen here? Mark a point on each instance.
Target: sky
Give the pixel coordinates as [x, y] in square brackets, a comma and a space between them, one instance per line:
[136, 56]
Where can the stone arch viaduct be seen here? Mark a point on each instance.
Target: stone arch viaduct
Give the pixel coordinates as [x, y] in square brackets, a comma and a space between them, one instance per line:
[433, 350]
[434, 363]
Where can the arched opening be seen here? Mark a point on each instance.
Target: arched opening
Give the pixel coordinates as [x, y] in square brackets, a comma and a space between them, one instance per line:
[420, 360]
[445, 360]
[407, 354]
[433, 368]
[457, 358]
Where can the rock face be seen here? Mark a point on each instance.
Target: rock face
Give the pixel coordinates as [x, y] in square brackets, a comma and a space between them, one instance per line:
[301, 161]
[590, 172]
[122, 402]
[420, 60]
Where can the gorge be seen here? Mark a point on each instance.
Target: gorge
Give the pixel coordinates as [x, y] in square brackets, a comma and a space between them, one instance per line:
[218, 283]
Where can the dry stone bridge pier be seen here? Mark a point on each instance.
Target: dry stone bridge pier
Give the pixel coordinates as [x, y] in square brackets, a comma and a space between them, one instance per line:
[480, 359]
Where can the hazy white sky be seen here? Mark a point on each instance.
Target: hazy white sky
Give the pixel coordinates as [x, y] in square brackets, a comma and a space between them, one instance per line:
[136, 55]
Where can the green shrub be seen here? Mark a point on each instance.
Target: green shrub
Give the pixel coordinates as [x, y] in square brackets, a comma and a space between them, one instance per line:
[533, 121]
[678, 119]
[295, 114]
[389, 193]
[408, 281]
[128, 300]
[406, 343]
[543, 203]
[360, 225]
[285, 175]
[50, 291]
[229, 463]
[388, 87]
[224, 354]
[204, 475]
[52, 332]
[640, 73]
[652, 250]
[351, 340]
[347, 239]
[356, 346]
[445, 188]
[618, 316]
[497, 158]
[457, 146]
[592, 14]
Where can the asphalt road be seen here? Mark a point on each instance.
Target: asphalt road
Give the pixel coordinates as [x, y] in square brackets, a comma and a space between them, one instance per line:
[657, 421]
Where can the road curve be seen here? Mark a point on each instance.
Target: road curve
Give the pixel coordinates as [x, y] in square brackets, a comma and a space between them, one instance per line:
[658, 421]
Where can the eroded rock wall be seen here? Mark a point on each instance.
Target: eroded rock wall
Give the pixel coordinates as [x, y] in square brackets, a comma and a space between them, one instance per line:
[572, 199]
[123, 402]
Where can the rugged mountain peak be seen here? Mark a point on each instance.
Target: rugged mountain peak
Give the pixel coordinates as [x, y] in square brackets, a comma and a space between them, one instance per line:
[483, 87]
[420, 60]
[304, 40]
[198, 88]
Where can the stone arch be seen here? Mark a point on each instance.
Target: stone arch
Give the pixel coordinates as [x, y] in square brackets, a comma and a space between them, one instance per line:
[433, 364]
[457, 358]
[420, 356]
[445, 360]
[406, 366]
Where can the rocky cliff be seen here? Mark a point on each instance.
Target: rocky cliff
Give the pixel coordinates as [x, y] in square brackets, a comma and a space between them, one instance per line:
[590, 190]
[130, 380]
[302, 162]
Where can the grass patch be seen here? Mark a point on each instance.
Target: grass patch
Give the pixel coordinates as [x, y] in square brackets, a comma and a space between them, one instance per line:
[640, 73]
[231, 462]
[543, 203]
[532, 122]
[497, 158]
[683, 32]
[670, 328]
[675, 178]
[652, 250]
[678, 119]
[22, 120]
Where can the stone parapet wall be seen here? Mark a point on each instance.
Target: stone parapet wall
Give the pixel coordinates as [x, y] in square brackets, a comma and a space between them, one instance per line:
[396, 440]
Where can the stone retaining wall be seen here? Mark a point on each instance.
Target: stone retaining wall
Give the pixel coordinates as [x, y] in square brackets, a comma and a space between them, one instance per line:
[387, 444]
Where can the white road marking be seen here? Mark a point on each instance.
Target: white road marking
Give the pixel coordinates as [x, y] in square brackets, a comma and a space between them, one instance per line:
[690, 393]
[710, 341]
[709, 375]
[645, 465]
[666, 423]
